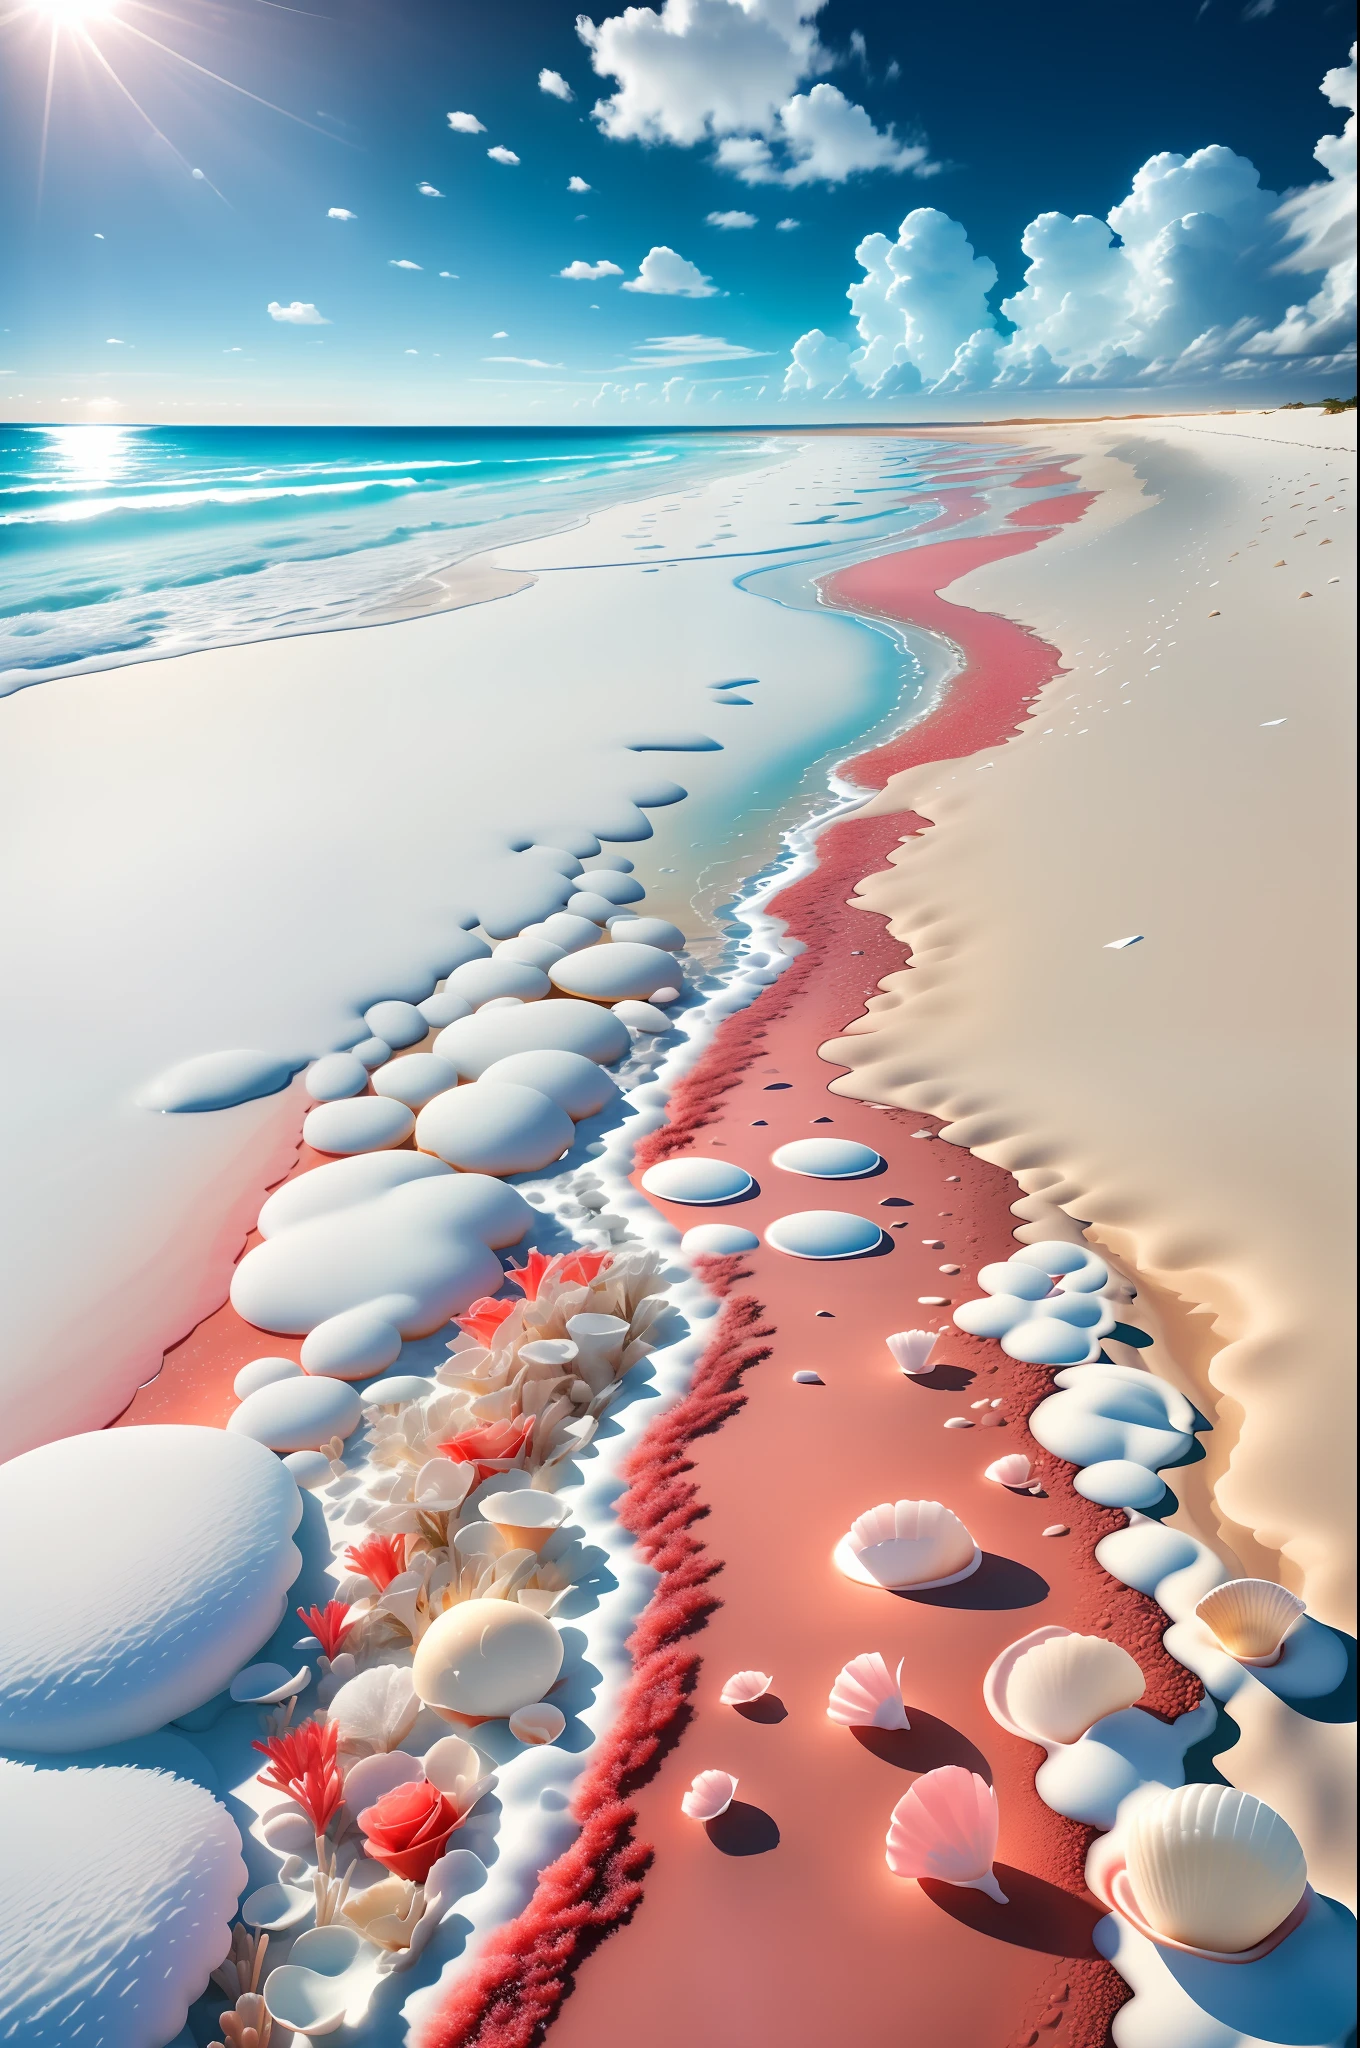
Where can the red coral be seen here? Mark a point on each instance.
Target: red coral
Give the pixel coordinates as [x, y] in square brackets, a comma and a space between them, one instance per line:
[408, 1828]
[578, 1268]
[328, 1624]
[379, 1558]
[490, 1447]
[582, 1267]
[530, 1275]
[302, 1764]
[485, 1317]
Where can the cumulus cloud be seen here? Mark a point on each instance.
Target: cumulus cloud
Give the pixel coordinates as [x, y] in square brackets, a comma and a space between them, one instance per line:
[581, 270]
[577, 185]
[466, 124]
[787, 226]
[428, 191]
[729, 71]
[402, 263]
[501, 155]
[340, 213]
[733, 219]
[553, 82]
[662, 271]
[1192, 274]
[298, 314]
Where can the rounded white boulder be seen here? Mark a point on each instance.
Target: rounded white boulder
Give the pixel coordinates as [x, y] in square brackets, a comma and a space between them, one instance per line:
[589, 903]
[718, 1240]
[823, 1234]
[609, 974]
[262, 1372]
[367, 1123]
[297, 1415]
[579, 1086]
[533, 952]
[697, 1180]
[483, 981]
[353, 1345]
[649, 931]
[415, 1080]
[826, 1158]
[181, 1581]
[614, 886]
[442, 1007]
[494, 1127]
[334, 1076]
[565, 929]
[399, 1024]
[641, 1016]
[474, 1043]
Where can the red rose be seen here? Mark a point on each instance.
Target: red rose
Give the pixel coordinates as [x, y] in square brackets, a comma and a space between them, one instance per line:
[408, 1828]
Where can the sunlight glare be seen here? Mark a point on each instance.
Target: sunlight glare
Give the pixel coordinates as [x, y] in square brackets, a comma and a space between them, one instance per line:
[73, 13]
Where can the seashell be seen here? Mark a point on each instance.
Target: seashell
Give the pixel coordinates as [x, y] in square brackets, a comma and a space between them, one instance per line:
[556, 1352]
[457, 1770]
[368, 1780]
[305, 2000]
[744, 1686]
[387, 1913]
[376, 1709]
[1012, 1470]
[276, 1906]
[911, 1350]
[526, 1518]
[866, 1694]
[945, 1827]
[541, 1723]
[264, 1685]
[1064, 1685]
[1251, 1618]
[441, 1486]
[599, 1342]
[1213, 1868]
[484, 1659]
[710, 1794]
[907, 1543]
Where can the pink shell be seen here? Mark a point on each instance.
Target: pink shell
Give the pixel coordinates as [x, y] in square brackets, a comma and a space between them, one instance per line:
[945, 1827]
[1012, 1470]
[866, 1695]
[744, 1686]
[911, 1350]
[710, 1794]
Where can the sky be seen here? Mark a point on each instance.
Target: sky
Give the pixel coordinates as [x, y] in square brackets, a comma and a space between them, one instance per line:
[707, 212]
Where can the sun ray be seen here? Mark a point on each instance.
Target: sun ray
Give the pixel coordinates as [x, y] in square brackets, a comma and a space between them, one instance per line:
[216, 76]
[47, 112]
[135, 103]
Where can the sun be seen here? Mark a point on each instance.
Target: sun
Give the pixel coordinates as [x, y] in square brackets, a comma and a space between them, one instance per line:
[73, 13]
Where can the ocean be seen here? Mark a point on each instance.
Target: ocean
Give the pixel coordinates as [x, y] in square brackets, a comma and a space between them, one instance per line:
[120, 544]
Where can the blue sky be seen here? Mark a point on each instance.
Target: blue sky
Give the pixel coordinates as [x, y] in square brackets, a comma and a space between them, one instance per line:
[181, 250]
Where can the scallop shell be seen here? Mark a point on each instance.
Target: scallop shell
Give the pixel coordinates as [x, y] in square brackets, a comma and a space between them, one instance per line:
[710, 1794]
[1012, 1470]
[867, 1695]
[911, 1350]
[1212, 1867]
[744, 1686]
[1251, 1618]
[907, 1543]
[1063, 1686]
[945, 1827]
[541, 1723]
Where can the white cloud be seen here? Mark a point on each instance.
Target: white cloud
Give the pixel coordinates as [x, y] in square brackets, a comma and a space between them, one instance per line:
[466, 124]
[411, 351]
[729, 71]
[786, 226]
[114, 342]
[826, 139]
[577, 185]
[500, 335]
[1187, 277]
[501, 155]
[402, 263]
[298, 314]
[553, 82]
[428, 191]
[525, 362]
[735, 219]
[340, 213]
[580, 269]
[662, 271]
[450, 273]
[666, 351]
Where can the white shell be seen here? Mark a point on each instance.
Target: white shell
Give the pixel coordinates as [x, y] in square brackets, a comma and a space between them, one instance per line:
[1012, 1470]
[1212, 1867]
[710, 1794]
[945, 1828]
[911, 1350]
[1251, 1618]
[1061, 1687]
[744, 1686]
[376, 1709]
[907, 1543]
[541, 1723]
[264, 1685]
[867, 1695]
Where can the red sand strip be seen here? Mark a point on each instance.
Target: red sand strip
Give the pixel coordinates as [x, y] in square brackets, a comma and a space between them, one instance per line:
[728, 1912]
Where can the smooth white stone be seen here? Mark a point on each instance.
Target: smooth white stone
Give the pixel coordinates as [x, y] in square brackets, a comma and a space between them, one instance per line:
[614, 886]
[826, 1158]
[367, 1123]
[648, 931]
[1044, 1340]
[181, 1579]
[615, 971]
[589, 903]
[442, 1008]
[334, 1076]
[263, 1372]
[117, 1889]
[611, 863]
[309, 1469]
[396, 1390]
[1015, 1277]
[533, 952]
[474, 1043]
[823, 1234]
[695, 1179]
[1120, 1483]
[483, 981]
[400, 1024]
[353, 1345]
[417, 1079]
[371, 1052]
[641, 1016]
[297, 1415]
[494, 1127]
[565, 929]
[216, 1080]
[718, 1240]
[579, 1086]
[339, 1183]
